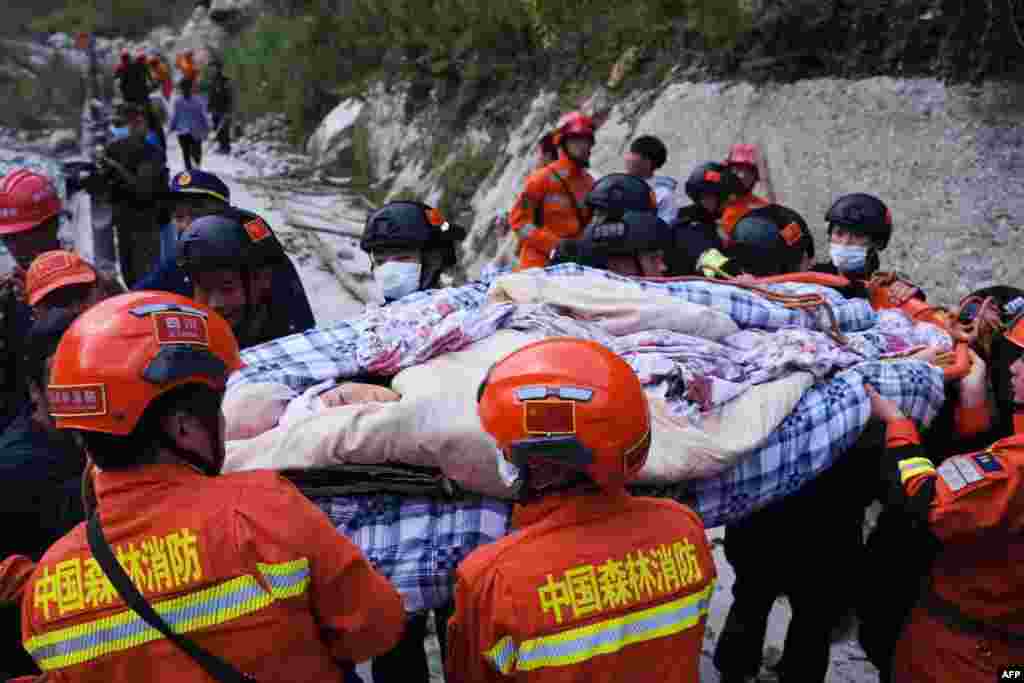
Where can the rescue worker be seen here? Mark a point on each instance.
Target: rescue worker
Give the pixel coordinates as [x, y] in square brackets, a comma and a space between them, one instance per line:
[743, 161]
[645, 156]
[859, 227]
[30, 211]
[633, 246]
[899, 553]
[191, 195]
[551, 205]
[61, 279]
[186, 63]
[966, 625]
[771, 240]
[266, 583]
[595, 584]
[133, 79]
[231, 258]
[698, 242]
[221, 104]
[42, 470]
[615, 194]
[132, 171]
[410, 244]
[161, 75]
[547, 153]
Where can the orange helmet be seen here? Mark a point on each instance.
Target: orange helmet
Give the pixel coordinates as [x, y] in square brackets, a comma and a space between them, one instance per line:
[574, 124]
[123, 353]
[568, 402]
[52, 270]
[26, 200]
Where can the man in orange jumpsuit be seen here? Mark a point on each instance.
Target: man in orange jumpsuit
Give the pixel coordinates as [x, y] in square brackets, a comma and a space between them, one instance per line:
[595, 584]
[242, 564]
[551, 207]
[967, 625]
[743, 162]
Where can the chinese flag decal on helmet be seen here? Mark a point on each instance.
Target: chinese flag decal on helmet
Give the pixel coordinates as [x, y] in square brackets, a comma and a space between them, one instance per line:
[180, 328]
[257, 229]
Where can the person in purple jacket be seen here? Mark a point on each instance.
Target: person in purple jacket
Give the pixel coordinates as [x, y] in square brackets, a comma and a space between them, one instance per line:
[191, 121]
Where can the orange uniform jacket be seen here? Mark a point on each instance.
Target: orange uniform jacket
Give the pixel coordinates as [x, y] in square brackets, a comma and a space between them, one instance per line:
[187, 66]
[735, 210]
[604, 587]
[544, 213]
[976, 509]
[241, 563]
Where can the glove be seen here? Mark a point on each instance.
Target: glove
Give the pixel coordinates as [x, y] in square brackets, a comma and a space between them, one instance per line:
[713, 263]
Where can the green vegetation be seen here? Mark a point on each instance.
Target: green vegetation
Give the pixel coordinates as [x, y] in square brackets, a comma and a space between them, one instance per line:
[462, 175]
[128, 18]
[306, 55]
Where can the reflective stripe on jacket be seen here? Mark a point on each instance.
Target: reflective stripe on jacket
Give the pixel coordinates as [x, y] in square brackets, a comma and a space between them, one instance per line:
[242, 563]
[545, 197]
[604, 587]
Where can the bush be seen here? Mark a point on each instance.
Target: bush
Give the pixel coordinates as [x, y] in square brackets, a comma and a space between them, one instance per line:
[303, 58]
[129, 18]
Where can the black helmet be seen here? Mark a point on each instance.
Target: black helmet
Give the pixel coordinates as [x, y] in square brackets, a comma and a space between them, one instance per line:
[713, 178]
[233, 239]
[620, 192]
[862, 214]
[411, 225]
[770, 240]
[637, 232]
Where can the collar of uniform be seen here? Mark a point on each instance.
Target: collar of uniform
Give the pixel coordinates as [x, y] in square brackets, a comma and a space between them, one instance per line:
[565, 508]
[115, 482]
[566, 166]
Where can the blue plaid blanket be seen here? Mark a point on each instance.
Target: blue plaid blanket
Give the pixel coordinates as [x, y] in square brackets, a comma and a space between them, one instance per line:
[354, 347]
[825, 423]
[417, 542]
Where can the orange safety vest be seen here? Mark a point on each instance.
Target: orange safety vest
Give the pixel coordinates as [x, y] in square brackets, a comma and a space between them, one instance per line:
[546, 212]
[594, 587]
[242, 564]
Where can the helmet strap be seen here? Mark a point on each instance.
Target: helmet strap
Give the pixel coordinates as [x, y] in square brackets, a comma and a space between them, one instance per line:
[190, 457]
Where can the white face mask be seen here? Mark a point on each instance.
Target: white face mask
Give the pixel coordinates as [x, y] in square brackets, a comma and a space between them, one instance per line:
[849, 258]
[397, 279]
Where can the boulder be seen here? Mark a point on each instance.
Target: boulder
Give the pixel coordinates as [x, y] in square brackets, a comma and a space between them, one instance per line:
[333, 137]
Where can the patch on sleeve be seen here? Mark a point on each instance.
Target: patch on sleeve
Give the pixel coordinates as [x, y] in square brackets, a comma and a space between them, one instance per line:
[959, 472]
[988, 463]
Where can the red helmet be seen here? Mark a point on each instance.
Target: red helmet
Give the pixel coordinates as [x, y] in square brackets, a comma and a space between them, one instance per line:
[568, 402]
[26, 200]
[575, 123]
[744, 155]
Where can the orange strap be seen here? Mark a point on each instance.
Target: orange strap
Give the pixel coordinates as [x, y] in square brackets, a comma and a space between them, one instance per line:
[807, 277]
